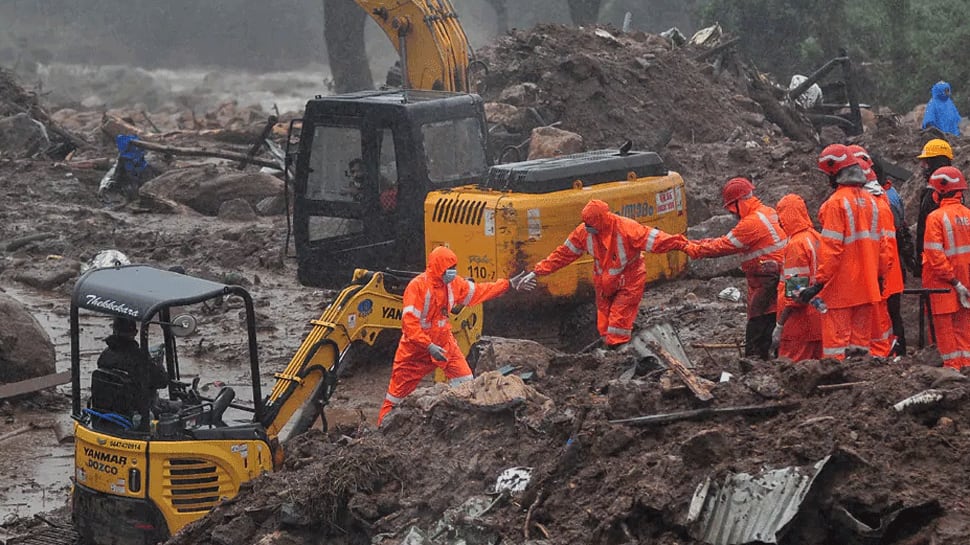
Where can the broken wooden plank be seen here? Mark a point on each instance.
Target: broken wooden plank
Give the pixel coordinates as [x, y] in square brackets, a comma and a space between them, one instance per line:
[15, 389]
[840, 386]
[201, 152]
[705, 412]
[697, 387]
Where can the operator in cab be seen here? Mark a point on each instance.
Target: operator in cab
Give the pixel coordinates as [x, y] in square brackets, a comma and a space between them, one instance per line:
[124, 354]
[426, 338]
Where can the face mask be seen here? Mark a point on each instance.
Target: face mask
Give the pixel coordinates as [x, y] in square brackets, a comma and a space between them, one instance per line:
[449, 275]
[592, 230]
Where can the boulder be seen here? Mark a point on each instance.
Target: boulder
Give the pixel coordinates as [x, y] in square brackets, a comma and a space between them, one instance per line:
[26, 351]
[520, 94]
[552, 142]
[514, 119]
[21, 137]
[236, 210]
[203, 188]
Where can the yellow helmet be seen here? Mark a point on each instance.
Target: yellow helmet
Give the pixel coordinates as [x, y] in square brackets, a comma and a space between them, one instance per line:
[935, 148]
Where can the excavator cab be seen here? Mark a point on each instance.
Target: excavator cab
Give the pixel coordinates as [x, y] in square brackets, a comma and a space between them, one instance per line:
[365, 163]
[144, 465]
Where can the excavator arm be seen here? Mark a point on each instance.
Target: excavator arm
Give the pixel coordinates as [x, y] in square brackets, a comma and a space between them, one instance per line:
[359, 313]
[429, 39]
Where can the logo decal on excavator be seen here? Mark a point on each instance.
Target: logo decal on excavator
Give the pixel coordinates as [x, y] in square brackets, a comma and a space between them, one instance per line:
[391, 313]
[365, 307]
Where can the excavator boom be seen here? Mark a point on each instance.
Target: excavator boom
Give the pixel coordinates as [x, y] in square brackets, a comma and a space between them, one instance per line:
[429, 39]
[370, 304]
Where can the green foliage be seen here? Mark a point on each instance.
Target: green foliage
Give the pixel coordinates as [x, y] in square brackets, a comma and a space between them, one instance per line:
[900, 48]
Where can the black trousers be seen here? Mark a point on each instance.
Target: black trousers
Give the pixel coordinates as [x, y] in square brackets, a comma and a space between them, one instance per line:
[896, 316]
[757, 336]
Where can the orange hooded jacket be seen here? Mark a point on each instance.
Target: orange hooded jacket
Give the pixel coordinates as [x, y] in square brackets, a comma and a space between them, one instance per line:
[615, 248]
[428, 300]
[804, 323]
[853, 254]
[759, 239]
[946, 253]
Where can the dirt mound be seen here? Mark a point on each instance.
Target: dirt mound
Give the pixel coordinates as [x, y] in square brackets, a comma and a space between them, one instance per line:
[611, 87]
[599, 482]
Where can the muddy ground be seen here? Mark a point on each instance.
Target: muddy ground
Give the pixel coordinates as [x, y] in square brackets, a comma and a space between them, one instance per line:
[900, 473]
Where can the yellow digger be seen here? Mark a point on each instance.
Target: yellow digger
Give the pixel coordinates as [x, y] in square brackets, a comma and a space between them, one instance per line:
[382, 177]
[140, 473]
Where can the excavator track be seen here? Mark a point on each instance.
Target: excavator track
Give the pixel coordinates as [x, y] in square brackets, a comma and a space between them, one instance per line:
[47, 535]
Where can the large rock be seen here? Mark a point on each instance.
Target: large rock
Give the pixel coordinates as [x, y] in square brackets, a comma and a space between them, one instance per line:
[21, 136]
[553, 142]
[25, 349]
[712, 267]
[205, 190]
[516, 120]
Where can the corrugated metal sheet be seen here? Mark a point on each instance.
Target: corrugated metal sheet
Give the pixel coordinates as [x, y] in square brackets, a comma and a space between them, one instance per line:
[749, 508]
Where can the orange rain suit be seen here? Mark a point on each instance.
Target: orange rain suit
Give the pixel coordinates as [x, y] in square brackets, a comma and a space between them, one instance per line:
[882, 331]
[946, 256]
[760, 240]
[619, 274]
[851, 260]
[801, 336]
[424, 320]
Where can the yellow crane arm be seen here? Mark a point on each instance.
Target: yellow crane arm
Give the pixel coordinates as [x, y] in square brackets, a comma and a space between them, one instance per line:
[359, 313]
[429, 39]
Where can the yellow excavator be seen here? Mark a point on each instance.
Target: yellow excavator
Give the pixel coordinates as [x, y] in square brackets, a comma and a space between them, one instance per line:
[382, 177]
[143, 471]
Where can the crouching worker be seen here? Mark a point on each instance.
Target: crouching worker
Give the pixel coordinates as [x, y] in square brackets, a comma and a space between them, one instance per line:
[798, 333]
[426, 338]
[619, 274]
[759, 239]
[946, 264]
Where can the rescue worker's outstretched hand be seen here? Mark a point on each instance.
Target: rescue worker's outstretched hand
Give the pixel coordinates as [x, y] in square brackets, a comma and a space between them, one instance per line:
[437, 352]
[675, 242]
[963, 293]
[523, 281]
[692, 249]
[809, 293]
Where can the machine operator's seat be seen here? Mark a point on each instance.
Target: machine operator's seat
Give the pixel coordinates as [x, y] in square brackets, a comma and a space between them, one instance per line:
[113, 392]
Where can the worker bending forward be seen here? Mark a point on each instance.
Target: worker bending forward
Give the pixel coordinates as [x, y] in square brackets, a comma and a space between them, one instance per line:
[852, 258]
[798, 334]
[946, 264]
[619, 274]
[759, 239]
[426, 338]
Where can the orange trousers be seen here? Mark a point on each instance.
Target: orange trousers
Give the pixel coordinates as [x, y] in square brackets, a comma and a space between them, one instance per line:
[798, 350]
[953, 338]
[845, 328]
[882, 330]
[615, 315]
[412, 363]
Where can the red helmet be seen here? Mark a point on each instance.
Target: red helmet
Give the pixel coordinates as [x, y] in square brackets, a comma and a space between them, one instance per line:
[865, 161]
[836, 157]
[947, 179]
[736, 189]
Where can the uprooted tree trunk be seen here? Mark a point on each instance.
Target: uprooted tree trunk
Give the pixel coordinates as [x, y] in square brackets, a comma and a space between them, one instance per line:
[343, 32]
[787, 121]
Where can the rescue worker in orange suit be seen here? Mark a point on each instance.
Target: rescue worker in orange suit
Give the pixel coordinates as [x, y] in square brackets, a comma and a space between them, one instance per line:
[884, 342]
[619, 274]
[426, 339]
[852, 258]
[946, 264]
[798, 332]
[760, 240]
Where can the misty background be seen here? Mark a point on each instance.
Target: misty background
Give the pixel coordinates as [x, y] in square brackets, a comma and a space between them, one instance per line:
[112, 52]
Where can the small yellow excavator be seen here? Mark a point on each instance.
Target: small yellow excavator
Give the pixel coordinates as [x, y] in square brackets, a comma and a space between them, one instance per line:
[143, 471]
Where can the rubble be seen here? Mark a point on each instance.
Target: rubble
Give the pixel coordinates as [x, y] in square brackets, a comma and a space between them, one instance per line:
[429, 476]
